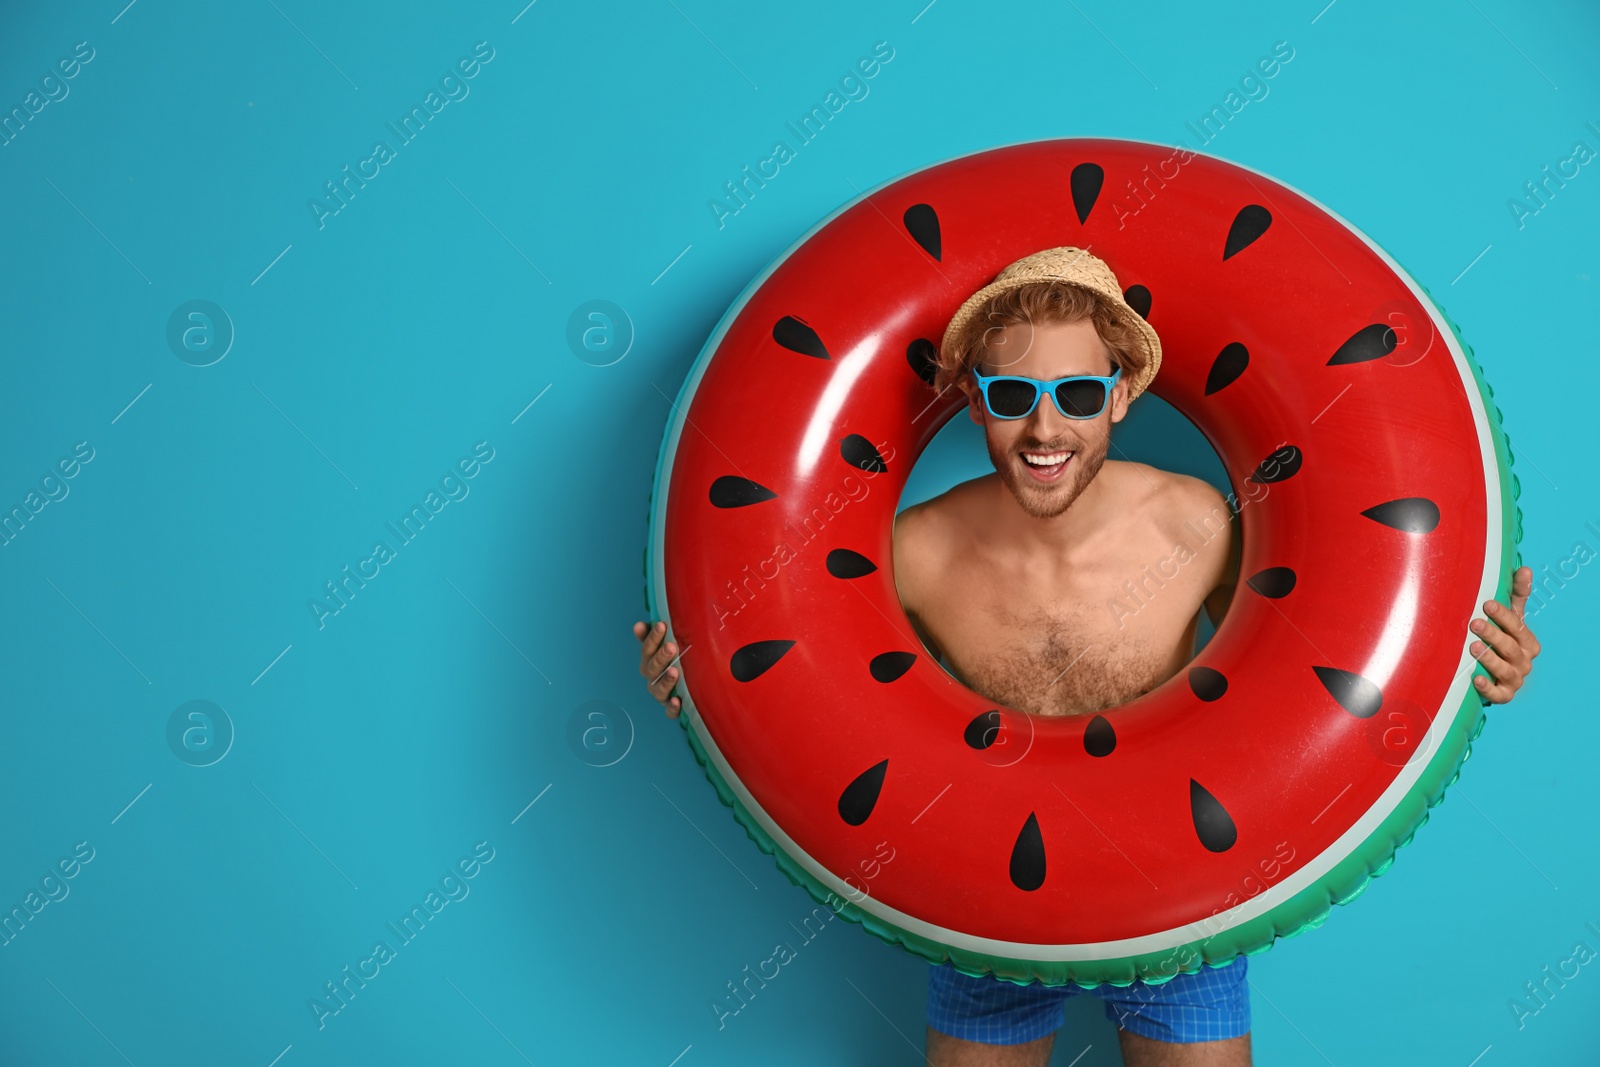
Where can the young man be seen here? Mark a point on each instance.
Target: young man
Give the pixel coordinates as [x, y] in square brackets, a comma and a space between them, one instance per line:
[1009, 577]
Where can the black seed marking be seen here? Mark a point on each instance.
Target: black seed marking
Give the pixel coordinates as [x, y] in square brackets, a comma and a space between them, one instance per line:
[1099, 739]
[982, 730]
[922, 356]
[858, 452]
[922, 222]
[891, 665]
[796, 336]
[731, 491]
[1139, 299]
[1027, 857]
[1086, 181]
[1411, 514]
[753, 660]
[843, 563]
[1282, 464]
[1250, 223]
[1226, 368]
[1208, 684]
[1357, 695]
[1212, 822]
[1368, 343]
[861, 795]
[1272, 583]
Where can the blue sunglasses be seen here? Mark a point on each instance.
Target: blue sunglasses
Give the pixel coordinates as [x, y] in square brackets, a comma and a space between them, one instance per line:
[1081, 396]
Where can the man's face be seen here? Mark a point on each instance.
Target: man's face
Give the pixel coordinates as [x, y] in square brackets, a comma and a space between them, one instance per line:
[1055, 350]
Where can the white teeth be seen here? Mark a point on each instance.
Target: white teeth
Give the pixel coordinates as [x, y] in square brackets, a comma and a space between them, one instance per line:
[1045, 459]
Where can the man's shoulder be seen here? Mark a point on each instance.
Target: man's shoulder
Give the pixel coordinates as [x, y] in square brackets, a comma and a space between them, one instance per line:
[933, 521]
[931, 530]
[1187, 492]
[1167, 497]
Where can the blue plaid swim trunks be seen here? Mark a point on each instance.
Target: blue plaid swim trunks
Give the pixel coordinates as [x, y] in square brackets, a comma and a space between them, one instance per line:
[1211, 1005]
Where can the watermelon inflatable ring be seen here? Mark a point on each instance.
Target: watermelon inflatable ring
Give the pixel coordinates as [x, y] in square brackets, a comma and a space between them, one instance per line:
[1228, 807]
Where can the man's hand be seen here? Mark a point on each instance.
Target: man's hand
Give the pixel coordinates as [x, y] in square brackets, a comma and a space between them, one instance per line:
[1508, 646]
[655, 657]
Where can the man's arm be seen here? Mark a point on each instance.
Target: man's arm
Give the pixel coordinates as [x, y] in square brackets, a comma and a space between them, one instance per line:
[910, 569]
[1205, 526]
[1218, 600]
[932, 646]
[1506, 647]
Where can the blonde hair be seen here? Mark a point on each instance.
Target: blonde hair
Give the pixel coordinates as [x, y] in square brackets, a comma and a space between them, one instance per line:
[1041, 303]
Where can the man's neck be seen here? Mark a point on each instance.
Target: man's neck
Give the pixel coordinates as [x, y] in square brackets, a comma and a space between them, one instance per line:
[1053, 537]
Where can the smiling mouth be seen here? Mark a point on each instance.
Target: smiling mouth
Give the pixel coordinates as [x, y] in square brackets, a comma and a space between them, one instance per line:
[1046, 466]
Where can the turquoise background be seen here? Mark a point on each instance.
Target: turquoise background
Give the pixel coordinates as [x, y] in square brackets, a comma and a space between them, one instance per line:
[455, 689]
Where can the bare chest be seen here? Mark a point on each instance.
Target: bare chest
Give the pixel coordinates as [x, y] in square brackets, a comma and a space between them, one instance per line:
[1075, 650]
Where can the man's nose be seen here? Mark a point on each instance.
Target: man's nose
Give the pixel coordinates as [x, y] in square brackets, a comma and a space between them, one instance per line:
[1046, 419]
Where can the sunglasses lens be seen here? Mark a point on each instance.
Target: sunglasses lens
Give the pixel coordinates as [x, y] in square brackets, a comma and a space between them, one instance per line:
[1081, 399]
[1011, 400]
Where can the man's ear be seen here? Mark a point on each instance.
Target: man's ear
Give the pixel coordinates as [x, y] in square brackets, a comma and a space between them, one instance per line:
[974, 399]
[1119, 400]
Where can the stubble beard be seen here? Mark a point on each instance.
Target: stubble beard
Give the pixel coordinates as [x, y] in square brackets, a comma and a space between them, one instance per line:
[1048, 501]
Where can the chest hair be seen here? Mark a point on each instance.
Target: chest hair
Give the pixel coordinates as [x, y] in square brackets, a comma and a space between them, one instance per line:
[1053, 665]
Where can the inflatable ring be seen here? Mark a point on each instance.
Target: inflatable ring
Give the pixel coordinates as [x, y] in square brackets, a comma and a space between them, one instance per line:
[1230, 806]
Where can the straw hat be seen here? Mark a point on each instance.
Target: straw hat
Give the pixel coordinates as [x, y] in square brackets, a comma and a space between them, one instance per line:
[1075, 266]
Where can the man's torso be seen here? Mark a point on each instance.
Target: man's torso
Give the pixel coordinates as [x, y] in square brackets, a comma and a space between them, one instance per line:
[1089, 627]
